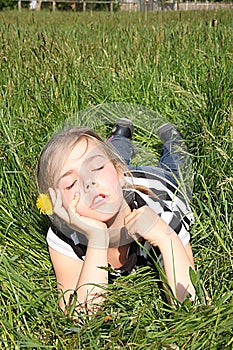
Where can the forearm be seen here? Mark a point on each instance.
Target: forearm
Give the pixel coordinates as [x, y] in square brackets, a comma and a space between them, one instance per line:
[72, 274]
[176, 260]
[93, 279]
[176, 267]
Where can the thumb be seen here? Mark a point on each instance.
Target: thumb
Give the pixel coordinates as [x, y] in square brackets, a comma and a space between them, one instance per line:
[73, 204]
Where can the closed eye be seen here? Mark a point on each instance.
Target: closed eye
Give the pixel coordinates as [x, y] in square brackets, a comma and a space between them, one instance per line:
[99, 168]
[70, 186]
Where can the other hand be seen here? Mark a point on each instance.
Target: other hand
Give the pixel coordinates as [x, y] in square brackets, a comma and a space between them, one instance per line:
[146, 223]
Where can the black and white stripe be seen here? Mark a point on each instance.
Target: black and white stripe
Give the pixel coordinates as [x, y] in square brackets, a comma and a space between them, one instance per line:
[169, 203]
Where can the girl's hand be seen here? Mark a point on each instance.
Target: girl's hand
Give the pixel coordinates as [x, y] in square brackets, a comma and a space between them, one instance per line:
[95, 231]
[146, 223]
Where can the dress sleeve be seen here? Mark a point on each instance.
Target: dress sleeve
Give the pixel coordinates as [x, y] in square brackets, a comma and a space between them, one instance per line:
[59, 245]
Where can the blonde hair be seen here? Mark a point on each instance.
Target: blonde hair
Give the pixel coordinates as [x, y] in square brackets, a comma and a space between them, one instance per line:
[56, 151]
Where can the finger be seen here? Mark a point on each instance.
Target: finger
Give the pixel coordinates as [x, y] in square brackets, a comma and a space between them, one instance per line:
[55, 197]
[58, 208]
[73, 204]
[52, 194]
[58, 198]
[132, 230]
[132, 216]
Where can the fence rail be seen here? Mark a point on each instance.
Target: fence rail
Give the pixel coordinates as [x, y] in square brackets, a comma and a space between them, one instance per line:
[134, 5]
[73, 3]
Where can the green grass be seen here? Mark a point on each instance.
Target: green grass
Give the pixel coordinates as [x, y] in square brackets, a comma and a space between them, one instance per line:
[54, 64]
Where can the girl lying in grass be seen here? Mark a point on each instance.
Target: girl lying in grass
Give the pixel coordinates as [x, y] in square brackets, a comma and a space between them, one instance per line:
[110, 214]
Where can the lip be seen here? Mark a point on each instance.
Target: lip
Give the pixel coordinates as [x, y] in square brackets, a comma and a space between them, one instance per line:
[98, 200]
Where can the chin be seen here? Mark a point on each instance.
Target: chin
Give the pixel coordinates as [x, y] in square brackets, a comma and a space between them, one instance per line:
[107, 218]
[110, 220]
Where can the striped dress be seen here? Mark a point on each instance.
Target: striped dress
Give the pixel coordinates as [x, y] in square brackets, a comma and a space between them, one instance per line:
[169, 203]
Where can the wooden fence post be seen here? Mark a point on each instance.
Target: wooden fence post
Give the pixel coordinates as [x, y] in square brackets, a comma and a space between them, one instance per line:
[38, 5]
[111, 6]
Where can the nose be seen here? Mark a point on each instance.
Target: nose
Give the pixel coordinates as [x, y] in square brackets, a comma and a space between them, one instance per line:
[89, 183]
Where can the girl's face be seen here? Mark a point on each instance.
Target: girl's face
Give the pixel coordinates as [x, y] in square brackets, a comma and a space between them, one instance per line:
[89, 173]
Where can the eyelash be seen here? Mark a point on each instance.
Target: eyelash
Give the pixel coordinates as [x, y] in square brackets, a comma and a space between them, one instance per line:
[73, 183]
[100, 168]
[70, 187]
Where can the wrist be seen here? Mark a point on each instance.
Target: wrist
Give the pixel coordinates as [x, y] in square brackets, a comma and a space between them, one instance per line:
[100, 240]
[160, 235]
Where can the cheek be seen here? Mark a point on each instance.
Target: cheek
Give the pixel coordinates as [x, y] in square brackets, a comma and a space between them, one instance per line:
[116, 185]
[68, 196]
[111, 179]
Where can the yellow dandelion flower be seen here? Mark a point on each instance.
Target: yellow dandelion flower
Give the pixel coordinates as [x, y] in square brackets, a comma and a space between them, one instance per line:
[44, 204]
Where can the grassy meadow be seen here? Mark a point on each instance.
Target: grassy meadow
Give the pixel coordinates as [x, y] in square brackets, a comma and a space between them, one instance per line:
[52, 66]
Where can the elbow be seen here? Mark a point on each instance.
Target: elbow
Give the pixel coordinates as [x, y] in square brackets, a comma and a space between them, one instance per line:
[183, 293]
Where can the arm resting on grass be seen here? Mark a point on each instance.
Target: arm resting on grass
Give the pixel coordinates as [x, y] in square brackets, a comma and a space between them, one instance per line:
[177, 259]
[74, 274]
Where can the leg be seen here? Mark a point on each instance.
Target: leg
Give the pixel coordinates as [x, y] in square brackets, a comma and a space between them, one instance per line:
[124, 147]
[175, 157]
[174, 163]
[120, 138]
